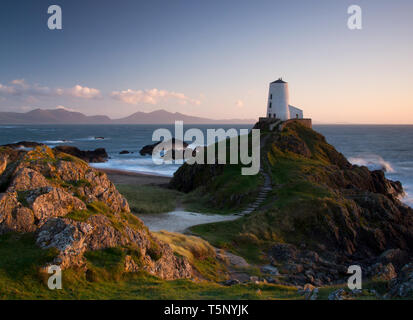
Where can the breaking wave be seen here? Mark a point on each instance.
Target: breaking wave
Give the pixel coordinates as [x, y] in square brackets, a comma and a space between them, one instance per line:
[57, 141]
[373, 162]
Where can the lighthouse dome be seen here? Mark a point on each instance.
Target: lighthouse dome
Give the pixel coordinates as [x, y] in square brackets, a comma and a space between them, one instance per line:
[279, 80]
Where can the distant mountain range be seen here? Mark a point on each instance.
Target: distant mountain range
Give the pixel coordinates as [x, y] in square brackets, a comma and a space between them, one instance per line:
[62, 116]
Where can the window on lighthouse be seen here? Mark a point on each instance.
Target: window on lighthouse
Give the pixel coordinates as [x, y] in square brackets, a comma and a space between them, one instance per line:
[270, 104]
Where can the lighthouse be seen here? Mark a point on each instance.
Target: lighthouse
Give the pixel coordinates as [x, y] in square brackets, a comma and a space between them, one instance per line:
[279, 102]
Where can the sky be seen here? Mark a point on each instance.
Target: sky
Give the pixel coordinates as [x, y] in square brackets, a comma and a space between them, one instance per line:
[209, 58]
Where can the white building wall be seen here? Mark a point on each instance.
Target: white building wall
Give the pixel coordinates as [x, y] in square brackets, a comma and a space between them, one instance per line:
[296, 113]
[278, 100]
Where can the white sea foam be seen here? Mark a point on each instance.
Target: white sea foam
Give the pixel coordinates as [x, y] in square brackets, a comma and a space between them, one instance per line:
[138, 165]
[56, 141]
[91, 139]
[373, 162]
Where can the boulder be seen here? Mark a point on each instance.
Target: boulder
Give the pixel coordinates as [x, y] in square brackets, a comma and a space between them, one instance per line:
[148, 149]
[27, 179]
[14, 216]
[53, 202]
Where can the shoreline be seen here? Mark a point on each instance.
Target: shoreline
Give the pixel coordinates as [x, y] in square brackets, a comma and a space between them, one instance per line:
[129, 177]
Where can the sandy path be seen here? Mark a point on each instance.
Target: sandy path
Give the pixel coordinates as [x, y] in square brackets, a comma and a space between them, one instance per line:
[180, 220]
[127, 177]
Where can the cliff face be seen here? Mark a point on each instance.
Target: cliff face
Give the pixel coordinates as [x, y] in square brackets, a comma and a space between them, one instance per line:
[76, 209]
[322, 213]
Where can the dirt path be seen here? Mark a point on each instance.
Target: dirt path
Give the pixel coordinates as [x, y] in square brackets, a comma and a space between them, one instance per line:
[266, 187]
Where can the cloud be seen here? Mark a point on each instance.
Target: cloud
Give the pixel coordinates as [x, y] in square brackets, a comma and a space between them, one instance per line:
[152, 96]
[239, 103]
[65, 108]
[19, 87]
[18, 82]
[7, 90]
[80, 92]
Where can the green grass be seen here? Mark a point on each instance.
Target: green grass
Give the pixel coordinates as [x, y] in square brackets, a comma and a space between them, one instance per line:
[227, 193]
[149, 199]
[229, 235]
[92, 209]
[199, 253]
[20, 278]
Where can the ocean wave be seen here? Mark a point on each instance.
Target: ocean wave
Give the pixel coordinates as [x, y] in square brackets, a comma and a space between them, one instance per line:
[373, 162]
[92, 139]
[138, 165]
[56, 141]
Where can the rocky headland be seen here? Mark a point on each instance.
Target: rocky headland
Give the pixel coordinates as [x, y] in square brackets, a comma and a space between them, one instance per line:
[322, 214]
[75, 210]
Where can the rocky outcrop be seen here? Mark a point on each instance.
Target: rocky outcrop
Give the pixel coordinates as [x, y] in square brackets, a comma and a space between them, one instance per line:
[323, 213]
[76, 209]
[97, 155]
[302, 266]
[189, 177]
[169, 149]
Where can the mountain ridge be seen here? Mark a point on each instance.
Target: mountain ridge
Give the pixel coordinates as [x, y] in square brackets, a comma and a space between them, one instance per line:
[62, 116]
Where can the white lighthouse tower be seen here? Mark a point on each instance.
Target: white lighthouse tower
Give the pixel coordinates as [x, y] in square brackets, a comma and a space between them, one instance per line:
[279, 102]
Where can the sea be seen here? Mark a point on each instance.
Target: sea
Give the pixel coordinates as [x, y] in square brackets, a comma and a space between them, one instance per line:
[387, 147]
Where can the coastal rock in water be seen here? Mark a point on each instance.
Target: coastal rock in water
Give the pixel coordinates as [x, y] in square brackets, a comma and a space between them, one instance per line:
[124, 152]
[148, 149]
[97, 155]
[76, 209]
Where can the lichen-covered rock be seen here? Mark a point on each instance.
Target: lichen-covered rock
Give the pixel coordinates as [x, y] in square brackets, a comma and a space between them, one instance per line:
[27, 179]
[74, 238]
[55, 202]
[75, 209]
[14, 216]
[68, 237]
